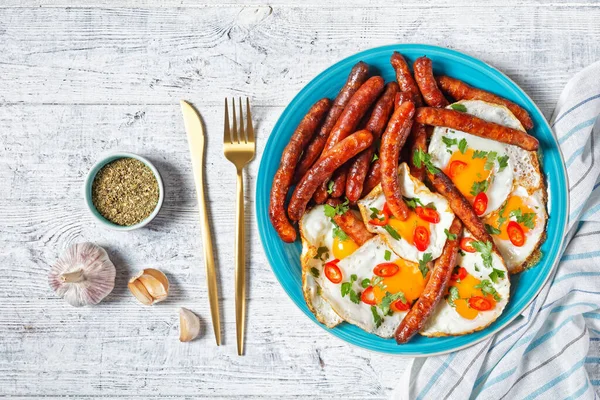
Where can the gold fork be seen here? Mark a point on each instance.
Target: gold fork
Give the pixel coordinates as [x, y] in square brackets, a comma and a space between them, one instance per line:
[239, 148]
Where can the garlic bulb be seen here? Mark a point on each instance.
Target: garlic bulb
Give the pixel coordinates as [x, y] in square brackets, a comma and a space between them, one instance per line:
[83, 275]
[149, 286]
[189, 325]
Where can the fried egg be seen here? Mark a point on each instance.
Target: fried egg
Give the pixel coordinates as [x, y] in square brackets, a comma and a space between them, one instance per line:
[425, 208]
[477, 294]
[475, 164]
[518, 227]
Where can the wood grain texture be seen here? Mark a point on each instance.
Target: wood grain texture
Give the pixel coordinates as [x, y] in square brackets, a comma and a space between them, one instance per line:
[81, 79]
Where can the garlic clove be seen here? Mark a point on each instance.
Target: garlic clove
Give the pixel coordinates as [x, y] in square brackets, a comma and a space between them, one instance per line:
[138, 289]
[149, 286]
[189, 325]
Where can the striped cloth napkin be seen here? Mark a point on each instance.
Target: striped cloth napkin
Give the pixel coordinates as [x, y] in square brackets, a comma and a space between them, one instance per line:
[552, 350]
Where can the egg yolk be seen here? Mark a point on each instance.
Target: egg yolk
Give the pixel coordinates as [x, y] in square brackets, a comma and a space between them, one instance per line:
[466, 290]
[513, 203]
[407, 280]
[406, 229]
[473, 170]
[343, 248]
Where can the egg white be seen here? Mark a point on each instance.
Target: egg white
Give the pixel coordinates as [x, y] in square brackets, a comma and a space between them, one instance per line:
[446, 321]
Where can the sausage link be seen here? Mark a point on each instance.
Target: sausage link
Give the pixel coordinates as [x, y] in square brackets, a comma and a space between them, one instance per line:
[351, 224]
[405, 78]
[461, 91]
[401, 97]
[373, 178]
[358, 75]
[376, 124]
[460, 206]
[432, 95]
[339, 181]
[434, 289]
[324, 168]
[476, 126]
[285, 172]
[392, 141]
[418, 135]
[356, 108]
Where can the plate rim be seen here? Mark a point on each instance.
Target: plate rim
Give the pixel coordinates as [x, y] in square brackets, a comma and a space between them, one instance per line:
[465, 59]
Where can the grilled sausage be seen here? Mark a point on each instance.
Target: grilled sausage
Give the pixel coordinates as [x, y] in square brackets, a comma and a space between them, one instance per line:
[392, 141]
[376, 124]
[358, 76]
[434, 289]
[460, 206]
[432, 95]
[401, 97]
[324, 168]
[461, 91]
[351, 224]
[405, 79]
[356, 108]
[475, 126]
[285, 172]
[373, 178]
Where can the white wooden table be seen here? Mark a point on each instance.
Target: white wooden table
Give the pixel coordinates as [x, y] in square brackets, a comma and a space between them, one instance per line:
[79, 78]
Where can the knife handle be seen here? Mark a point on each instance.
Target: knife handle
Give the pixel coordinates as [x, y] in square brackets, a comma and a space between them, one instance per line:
[240, 265]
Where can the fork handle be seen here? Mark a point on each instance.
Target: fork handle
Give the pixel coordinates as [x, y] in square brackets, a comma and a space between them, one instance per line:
[240, 265]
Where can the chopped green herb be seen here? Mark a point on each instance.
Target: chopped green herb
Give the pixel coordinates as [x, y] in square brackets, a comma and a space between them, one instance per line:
[376, 317]
[449, 142]
[374, 213]
[346, 289]
[320, 252]
[495, 274]
[476, 267]
[354, 297]
[462, 253]
[525, 219]
[462, 145]
[450, 236]
[314, 272]
[491, 230]
[478, 187]
[414, 202]
[340, 209]
[338, 232]
[486, 252]
[388, 299]
[487, 288]
[330, 187]
[502, 162]
[479, 154]
[375, 157]
[489, 162]
[453, 295]
[423, 264]
[365, 283]
[422, 158]
[392, 232]
[387, 255]
[459, 107]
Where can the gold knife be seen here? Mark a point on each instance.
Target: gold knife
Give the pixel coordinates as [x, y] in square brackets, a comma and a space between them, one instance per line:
[195, 135]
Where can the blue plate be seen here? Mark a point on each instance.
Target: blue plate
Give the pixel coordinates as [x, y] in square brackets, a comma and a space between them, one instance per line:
[285, 258]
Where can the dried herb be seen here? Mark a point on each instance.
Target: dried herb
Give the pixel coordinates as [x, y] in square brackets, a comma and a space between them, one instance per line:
[125, 191]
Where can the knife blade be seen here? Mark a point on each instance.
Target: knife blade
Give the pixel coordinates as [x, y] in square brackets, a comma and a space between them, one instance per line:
[195, 135]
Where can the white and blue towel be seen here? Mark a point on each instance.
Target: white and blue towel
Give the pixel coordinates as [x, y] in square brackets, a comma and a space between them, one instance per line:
[552, 350]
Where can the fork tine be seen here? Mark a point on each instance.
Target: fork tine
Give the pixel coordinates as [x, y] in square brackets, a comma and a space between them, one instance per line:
[249, 127]
[236, 137]
[242, 133]
[227, 134]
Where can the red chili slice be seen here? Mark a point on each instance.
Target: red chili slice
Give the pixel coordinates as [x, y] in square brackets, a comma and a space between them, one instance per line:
[466, 244]
[368, 296]
[515, 234]
[428, 214]
[460, 274]
[480, 203]
[386, 269]
[480, 303]
[385, 213]
[332, 271]
[421, 238]
[398, 305]
[456, 167]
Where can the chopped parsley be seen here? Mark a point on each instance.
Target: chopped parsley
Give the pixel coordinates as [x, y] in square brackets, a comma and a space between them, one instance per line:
[491, 230]
[388, 299]
[495, 274]
[338, 232]
[314, 272]
[393, 233]
[478, 187]
[462, 145]
[449, 142]
[450, 236]
[376, 317]
[346, 289]
[489, 162]
[459, 107]
[525, 219]
[502, 218]
[453, 295]
[476, 267]
[375, 157]
[423, 264]
[322, 251]
[340, 209]
[365, 283]
[387, 255]
[330, 187]
[414, 202]
[421, 158]
[487, 288]
[502, 162]
[479, 154]
[486, 252]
